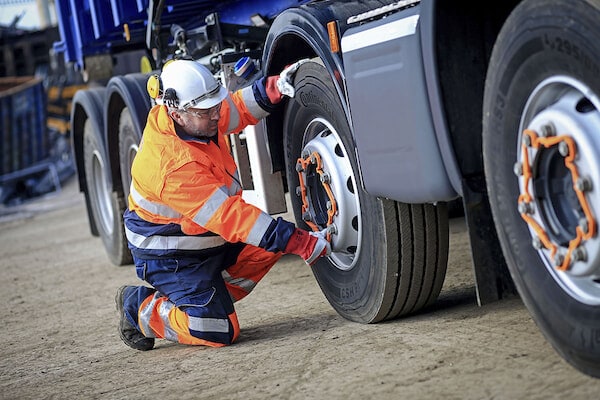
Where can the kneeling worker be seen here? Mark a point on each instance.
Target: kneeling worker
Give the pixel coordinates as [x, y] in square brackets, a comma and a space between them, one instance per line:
[192, 237]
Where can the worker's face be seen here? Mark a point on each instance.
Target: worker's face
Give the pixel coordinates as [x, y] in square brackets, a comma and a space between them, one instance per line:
[200, 123]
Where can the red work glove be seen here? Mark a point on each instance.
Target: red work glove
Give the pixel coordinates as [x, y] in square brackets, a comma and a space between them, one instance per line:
[308, 245]
[273, 92]
[281, 85]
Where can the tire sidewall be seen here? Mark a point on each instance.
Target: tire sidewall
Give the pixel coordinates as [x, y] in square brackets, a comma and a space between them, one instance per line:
[534, 45]
[127, 139]
[114, 244]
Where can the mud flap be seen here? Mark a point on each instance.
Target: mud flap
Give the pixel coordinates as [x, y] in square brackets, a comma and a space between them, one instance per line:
[492, 278]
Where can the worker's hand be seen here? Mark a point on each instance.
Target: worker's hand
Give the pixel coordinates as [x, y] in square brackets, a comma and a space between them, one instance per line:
[322, 243]
[308, 245]
[284, 83]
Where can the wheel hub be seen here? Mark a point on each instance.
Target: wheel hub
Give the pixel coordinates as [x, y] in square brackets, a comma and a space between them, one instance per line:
[559, 182]
[329, 193]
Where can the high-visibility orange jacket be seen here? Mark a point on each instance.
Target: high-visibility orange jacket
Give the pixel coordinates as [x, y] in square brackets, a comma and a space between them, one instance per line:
[185, 195]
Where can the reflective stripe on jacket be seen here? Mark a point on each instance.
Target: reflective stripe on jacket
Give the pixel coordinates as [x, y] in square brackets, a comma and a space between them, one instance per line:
[185, 194]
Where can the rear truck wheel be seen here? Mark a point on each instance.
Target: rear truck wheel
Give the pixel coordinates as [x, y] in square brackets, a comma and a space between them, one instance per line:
[388, 259]
[129, 104]
[128, 148]
[541, 151]
[105, 204]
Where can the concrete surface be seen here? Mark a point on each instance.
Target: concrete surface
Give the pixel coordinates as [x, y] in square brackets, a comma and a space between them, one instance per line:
[59, 333]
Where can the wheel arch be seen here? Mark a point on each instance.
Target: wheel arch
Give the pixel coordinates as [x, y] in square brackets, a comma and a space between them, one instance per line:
[126, 91]
[458, 46]
[87, 104]
[456, 32]
[299, 33]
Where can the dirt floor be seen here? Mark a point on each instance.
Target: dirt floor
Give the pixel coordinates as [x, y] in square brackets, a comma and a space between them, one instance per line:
[59, 338]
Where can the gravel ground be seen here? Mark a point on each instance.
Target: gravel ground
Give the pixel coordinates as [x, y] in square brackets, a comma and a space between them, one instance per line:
[59, 337]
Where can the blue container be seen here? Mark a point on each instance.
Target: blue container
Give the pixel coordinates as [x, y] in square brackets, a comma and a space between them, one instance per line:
[23, 134]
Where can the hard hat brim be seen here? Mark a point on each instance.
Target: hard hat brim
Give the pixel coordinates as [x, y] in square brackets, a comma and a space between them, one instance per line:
[206, 103]
[212, 101]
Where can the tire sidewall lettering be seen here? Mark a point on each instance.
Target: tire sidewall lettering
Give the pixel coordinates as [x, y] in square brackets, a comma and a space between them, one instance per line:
[564, 45]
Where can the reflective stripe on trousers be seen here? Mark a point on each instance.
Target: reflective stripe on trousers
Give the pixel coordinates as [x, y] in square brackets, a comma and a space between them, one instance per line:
[195, 302]
[160, 318]
[252, 265]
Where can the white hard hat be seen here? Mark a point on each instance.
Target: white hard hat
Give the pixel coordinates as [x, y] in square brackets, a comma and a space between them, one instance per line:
[187, 83]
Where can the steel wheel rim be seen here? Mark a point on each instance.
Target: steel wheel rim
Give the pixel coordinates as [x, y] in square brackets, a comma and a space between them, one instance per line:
[346, 233]
[569, 108]
[103, 199]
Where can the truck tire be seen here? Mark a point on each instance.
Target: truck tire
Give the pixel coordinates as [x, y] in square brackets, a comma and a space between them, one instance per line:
[388, 259]
[105, 204]
[541, 122]
[128, 148]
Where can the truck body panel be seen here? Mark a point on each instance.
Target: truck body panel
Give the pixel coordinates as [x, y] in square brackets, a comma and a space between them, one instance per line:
[399, 156]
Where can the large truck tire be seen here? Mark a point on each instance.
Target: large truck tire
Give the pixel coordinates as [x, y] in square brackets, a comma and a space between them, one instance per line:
[389, 259]
[128, 105]
[105, 203]
[541, 151]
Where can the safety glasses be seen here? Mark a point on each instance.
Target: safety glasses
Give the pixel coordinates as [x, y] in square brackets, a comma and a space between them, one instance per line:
[206, 113]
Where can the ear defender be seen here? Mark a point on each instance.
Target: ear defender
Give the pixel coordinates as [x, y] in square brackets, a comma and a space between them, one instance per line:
[153, 86]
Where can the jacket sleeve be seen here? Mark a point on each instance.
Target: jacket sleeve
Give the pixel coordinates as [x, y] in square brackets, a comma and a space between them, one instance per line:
[249, 105]
[205, 203]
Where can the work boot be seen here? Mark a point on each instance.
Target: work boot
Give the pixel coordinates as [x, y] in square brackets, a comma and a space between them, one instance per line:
[128, 332]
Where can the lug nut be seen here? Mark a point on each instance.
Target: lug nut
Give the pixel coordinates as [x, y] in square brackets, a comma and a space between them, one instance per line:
[563, 149]
[579, 254]
[298, 191]
[306, 216]
[583, 224]
[299, 167]
[583, 184]
[537, 243]
[313, 159]
[332, 229]
[518, 169]
[325, 178]
[527, 140]
[559, 259]
[305, 153]
[525, 208]
[547, 130]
